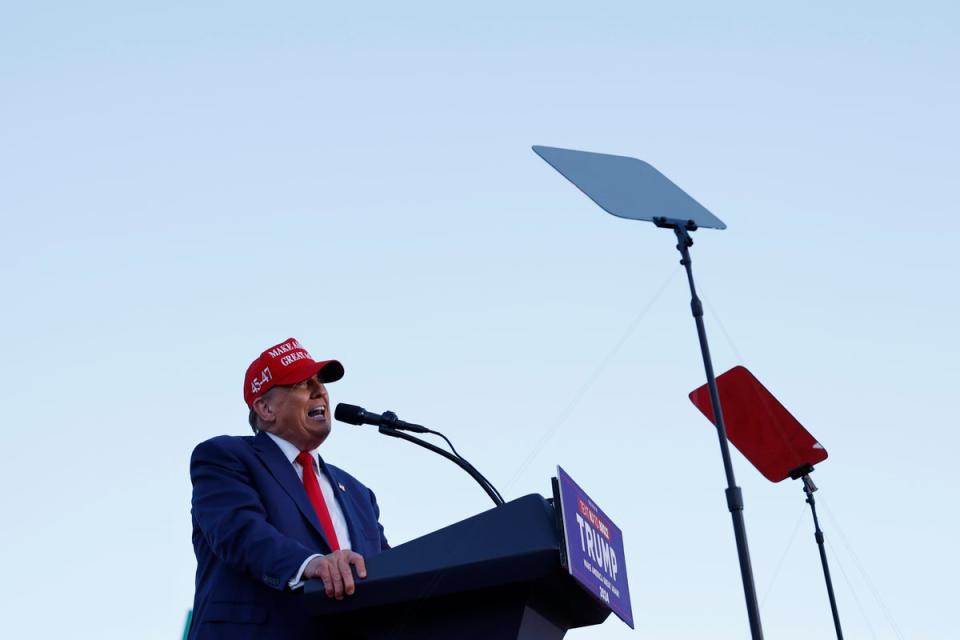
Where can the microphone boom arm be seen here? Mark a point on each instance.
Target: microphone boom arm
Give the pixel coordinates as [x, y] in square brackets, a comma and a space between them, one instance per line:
[460, 462]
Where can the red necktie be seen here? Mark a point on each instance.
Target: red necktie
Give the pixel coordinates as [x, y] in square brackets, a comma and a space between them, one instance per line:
[312, 486]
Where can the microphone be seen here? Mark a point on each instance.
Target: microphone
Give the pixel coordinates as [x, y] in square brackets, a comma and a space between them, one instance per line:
[352, 414]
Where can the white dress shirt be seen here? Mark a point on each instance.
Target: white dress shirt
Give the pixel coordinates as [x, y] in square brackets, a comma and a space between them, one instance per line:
[336, 513]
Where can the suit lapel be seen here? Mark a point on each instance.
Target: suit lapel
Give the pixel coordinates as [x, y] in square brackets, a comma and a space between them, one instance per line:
[286, 476]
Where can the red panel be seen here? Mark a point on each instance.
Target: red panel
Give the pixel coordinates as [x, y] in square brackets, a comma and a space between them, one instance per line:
[759, 426]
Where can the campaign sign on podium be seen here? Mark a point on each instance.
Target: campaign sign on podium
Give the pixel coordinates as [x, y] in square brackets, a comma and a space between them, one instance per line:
[593, 547]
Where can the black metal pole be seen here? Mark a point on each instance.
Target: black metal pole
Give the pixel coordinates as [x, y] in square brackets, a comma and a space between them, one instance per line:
[733, 492]
[809, 488]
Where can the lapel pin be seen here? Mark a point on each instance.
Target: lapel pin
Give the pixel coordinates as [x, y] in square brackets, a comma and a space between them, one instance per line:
[342, 488]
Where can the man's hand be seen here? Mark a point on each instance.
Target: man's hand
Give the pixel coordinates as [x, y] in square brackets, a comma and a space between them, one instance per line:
[334, 570]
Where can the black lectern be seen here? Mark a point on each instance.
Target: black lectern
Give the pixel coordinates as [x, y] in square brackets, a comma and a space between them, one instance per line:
[496, 575]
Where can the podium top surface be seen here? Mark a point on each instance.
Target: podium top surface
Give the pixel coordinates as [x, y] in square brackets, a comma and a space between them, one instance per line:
[515, 543]
[627, 187]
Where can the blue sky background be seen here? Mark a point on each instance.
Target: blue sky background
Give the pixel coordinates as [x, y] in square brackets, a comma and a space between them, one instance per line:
[184, 184]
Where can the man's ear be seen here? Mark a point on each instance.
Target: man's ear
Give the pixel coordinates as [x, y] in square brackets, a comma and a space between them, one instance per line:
[264, 409]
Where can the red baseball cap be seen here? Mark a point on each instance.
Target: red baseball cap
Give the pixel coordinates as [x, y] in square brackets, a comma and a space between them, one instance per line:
[285, 363]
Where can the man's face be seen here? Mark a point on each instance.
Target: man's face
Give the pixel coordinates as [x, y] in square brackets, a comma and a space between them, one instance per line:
[297, 413]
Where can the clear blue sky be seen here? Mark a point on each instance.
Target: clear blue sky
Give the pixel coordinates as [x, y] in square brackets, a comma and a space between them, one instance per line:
[184, 184]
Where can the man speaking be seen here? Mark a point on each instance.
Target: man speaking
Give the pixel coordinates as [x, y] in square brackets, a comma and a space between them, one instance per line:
[269, 513]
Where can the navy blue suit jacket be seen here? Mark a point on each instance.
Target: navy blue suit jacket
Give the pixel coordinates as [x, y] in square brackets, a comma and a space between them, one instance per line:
[253, 526]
